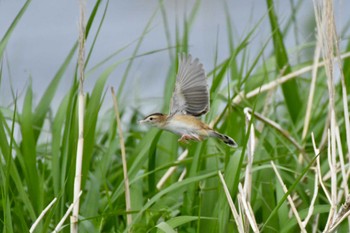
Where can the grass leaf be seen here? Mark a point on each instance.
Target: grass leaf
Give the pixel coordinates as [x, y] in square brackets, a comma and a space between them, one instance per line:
[290, 89]
[12, 27]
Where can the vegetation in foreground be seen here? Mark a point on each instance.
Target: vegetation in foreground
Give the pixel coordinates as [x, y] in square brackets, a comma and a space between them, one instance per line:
[289, 174]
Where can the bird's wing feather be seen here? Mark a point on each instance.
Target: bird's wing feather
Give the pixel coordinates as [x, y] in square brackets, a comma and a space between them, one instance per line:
[191, 95]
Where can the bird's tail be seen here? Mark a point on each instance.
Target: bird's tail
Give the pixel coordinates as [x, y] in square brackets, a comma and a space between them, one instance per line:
[226, 139]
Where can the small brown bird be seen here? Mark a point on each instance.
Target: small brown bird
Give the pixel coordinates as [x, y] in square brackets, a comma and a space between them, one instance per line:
[190, 100]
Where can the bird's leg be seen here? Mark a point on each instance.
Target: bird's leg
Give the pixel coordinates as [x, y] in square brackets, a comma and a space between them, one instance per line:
[184, 138]
[196, 137]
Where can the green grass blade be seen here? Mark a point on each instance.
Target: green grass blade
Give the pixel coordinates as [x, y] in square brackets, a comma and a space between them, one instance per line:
[222, 211]
[29, 152]
[346, 68]
[137, 47]
[165, 227]
[44, 105]
[229, 27]
[140, 154]
[57, 141]
[290, 190]
[166, 27]
[92, 17]
[91, 115]
[4, 145]
[290, 89]
[181, 46]
[172, 188]
[12, 185]
[152, 164]
[89, 24]
[171, 224]
[5, 174]
[12, 27]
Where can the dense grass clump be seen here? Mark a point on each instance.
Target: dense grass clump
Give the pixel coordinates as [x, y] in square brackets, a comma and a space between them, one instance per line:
[289, 174]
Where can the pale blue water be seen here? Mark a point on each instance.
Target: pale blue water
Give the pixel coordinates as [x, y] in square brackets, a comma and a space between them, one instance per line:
[48, 29]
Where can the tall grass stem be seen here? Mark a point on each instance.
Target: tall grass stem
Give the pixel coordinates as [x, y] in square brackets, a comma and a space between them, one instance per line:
[124, 163]
[81, 111]
[42, 214]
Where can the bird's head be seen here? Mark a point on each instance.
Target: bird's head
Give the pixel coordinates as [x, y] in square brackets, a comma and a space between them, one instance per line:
[155, 119]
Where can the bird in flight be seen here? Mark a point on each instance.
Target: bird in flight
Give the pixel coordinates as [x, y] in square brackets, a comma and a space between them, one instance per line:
[190, 100]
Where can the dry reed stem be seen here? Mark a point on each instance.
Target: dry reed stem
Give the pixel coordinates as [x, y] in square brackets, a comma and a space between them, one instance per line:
[313, 200]
[42, 214]
[326, 26]
[343, 213]
[320, 179]
[341, 161]
[318, 168]
[315, 224]
[347, 129]
[238, 219]
[345, 106]
[182, 175]
[248, 212]
[290, 200]
[278, 128]
[344, 91]
[333, 170]
[250, 159]
[312, 90]
[311, 94]
[328, 175]
[273, 84]
[125, 169]
[250, 153]
[171, 170]
[65, 216]
[81, 108]
[332, 210]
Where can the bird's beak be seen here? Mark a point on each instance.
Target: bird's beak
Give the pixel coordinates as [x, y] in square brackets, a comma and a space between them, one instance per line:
[141, 122]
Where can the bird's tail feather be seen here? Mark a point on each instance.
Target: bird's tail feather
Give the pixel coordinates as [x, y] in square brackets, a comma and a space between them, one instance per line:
[226, 139]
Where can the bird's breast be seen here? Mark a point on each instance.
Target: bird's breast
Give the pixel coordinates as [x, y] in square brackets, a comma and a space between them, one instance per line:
[186, 124]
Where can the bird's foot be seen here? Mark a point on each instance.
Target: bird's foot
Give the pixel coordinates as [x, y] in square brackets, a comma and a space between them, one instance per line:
[186, 137]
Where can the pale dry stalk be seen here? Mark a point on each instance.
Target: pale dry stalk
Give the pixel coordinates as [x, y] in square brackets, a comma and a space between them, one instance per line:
[171, 170]
[289, 198]
[311, 94]
[236, 216]
[250, 154]
[277, 127]
[42, 214]
[312, 90]
[325, 24]
[313, 200]
[124, 163]
[344, 212]
[250, 158]
[341, 161]
[65, 216]
[81, 108]
[333, 209]
[248, 212]
[318, 169]
[275, 83]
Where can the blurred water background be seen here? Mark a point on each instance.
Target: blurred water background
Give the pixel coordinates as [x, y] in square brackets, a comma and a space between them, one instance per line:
[46, 33]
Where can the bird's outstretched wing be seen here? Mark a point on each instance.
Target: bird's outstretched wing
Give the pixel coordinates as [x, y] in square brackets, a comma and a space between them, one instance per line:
[191, 95]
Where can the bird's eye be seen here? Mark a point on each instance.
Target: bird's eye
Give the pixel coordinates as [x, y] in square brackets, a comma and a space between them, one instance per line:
[151, 118]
